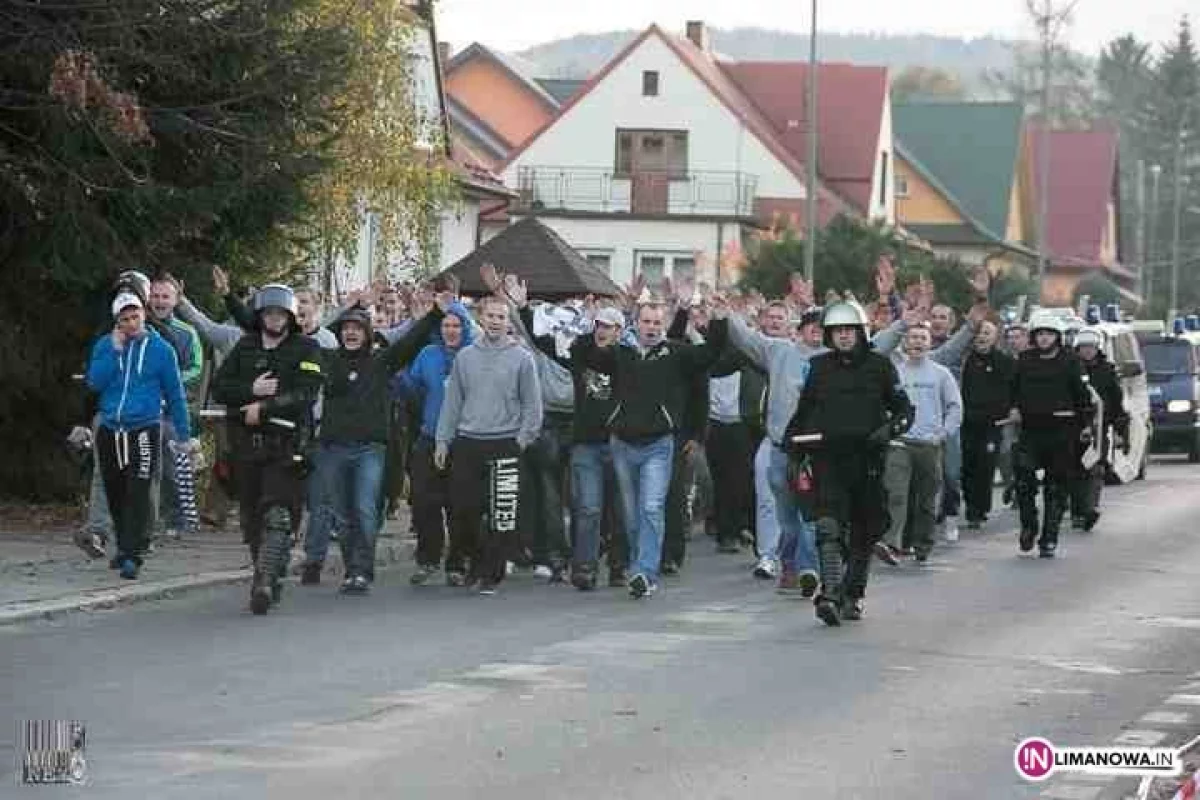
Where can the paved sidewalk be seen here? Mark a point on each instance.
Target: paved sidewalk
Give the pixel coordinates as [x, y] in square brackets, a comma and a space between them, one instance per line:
[43, 573]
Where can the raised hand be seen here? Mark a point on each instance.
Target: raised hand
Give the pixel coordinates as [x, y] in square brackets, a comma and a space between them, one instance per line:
[220, 281]
[800, 290]
[443, 300]
[517, 290]
[491, 278]
[885, 277]
[453, 284]
[636, 288]
[685, 290]
[720, 306]
[978, 313]
[981, 281]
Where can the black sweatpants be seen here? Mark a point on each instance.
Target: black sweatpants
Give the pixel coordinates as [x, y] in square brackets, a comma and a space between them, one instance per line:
[730, 452]
[679, 504]
[851, 516]
[485, 482]
[544, 491]
[431, 505]
[128, 461]
[980, 446]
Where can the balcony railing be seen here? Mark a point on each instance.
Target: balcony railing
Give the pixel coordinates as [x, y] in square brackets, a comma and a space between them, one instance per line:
[712, 193]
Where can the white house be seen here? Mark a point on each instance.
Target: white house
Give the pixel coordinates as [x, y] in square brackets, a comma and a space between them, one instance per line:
[670, 154]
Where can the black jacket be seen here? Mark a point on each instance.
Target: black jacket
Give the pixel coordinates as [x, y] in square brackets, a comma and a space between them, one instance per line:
[1046, 389]
[849, 397]
[652, 388]
[296, 362]
[752, 387]
[987, 383]
[357, 406]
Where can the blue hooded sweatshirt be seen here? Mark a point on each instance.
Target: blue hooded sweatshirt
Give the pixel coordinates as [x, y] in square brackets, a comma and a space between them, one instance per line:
[426, 376]
[134, 382]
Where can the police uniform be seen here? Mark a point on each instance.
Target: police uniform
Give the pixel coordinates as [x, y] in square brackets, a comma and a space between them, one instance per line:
[1052, 399]
[269, 476]
[856, 402]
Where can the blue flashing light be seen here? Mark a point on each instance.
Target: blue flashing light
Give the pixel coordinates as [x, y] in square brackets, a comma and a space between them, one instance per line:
[1112, 313]
[1179, 327]
[1093, 315]
[1193, 322]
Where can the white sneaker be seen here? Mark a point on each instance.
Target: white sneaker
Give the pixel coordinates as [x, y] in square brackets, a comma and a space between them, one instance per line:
[542, 571]
[765, 569]
[950, 529]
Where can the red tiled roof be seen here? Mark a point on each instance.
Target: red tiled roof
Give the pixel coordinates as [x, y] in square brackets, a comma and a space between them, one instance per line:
[850, 105]
[474, 168]
[1083, 174]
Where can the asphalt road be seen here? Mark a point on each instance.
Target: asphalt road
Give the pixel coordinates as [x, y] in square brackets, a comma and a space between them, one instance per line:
[715, 688]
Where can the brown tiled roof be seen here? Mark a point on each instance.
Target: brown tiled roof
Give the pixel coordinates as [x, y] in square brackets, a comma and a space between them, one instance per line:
[539, 256]
[850, 104]
[1083, 175]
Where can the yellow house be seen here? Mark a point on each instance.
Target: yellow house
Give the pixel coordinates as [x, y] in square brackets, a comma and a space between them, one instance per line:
[960, 180]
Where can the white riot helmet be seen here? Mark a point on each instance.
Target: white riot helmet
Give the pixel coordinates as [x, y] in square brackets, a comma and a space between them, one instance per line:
[1090, 336]
[841, 314]
[1046, 321]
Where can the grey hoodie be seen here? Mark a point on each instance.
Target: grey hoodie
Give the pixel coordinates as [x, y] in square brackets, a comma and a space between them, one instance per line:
[950, 355]
[492, 393]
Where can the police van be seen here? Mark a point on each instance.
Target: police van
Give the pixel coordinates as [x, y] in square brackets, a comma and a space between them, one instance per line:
[1173, 373]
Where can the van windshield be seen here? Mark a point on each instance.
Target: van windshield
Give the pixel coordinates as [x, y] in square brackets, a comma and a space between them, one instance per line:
[1169, 358]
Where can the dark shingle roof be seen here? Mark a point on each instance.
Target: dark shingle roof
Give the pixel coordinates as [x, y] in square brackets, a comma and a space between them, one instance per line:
[972, 150]
[561, 89]
[539, 256]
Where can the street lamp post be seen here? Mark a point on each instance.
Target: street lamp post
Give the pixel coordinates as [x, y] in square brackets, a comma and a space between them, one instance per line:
[1152, 234]
[810, 207]
[1177, 224]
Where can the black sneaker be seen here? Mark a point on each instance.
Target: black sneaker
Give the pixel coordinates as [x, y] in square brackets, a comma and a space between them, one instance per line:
[853, 611]
[1089, 521]
[617, 578]
[669, 568]
[827, 612]
[1026, 540]
[260, 599]
[422, 575]
[360, 584]
[311, 576]
[1047, 550]
[583, 578]
[487, 588]
[639, 586]
[808, 582]
[90, 543]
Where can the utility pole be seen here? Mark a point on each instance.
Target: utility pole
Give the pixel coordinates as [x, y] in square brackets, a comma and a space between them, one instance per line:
[1152, 237]
[1178, 222]
[810, 207]
[1050, 21]
[1140, 233]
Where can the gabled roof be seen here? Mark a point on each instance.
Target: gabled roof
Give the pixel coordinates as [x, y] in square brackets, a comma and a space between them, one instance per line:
[851, 101]
[723, 87]
[969, 150]
[518, 68]
[1083, 180]
[470, 126]
[540, 257]
[561, 89]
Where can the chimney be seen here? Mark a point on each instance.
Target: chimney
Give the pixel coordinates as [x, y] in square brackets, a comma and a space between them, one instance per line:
[697, 33]
[444, 53]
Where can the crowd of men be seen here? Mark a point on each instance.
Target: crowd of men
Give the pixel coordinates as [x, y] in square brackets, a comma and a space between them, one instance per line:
[566, 436]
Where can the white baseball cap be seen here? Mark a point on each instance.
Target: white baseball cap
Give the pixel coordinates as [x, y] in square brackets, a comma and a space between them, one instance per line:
[123, 301]
[610, 316]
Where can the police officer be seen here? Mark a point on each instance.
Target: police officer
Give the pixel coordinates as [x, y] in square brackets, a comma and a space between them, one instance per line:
[1050, 401]
[1102, 377]
[854, 400]
[268, 384]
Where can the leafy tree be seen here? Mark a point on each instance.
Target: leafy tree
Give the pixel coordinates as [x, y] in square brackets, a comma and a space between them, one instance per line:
[1072, 94]
[1099, 289]
[149, 134]
[917, 83]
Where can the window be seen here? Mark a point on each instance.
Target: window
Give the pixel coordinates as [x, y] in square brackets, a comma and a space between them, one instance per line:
[656, 264]
[600, 259]
[650, 83]
[883, 180]
[652, 151]
[901, 185]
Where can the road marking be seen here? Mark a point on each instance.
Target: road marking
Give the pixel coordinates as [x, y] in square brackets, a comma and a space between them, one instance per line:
[1167, 718]
[1183, 700]
[1140, 738]
[1174, 622]
[1067, 791]
[1087, 667]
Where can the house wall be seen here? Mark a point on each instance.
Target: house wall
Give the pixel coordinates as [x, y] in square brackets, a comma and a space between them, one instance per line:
[1059, 288]
[459, 224]
[585, 136]
[1108, 245]
[623, 240]
[884, 178]
[924, 204]
[494, 96]
[421, 50]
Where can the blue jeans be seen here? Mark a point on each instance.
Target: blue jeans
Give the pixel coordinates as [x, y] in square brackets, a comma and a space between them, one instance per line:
[346, 487]
[589, 462]
[798, 548]
[644, 475]
[951, 497]
[766, 525]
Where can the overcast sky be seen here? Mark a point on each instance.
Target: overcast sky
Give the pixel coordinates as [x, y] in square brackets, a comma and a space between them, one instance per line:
[517, 24]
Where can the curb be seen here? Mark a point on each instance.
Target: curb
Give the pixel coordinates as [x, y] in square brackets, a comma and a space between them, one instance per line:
[389, 552]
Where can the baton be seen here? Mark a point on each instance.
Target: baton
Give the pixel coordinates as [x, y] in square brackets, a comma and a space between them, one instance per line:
[807, 438]
[223, 413]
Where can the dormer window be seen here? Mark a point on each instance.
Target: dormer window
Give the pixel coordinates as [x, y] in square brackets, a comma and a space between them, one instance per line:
[650, 83]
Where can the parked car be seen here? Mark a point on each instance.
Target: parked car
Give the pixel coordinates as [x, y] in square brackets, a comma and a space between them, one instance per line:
[1122, 349]
[1173, 373]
